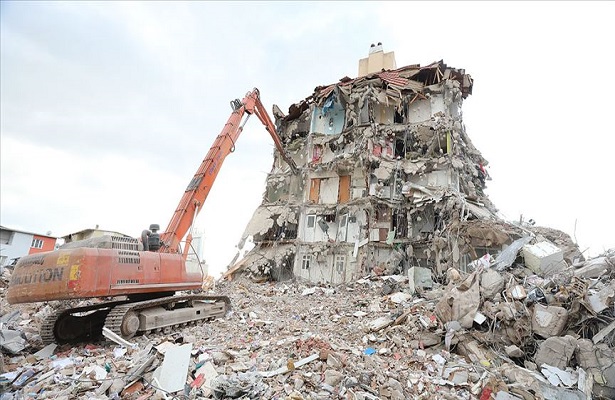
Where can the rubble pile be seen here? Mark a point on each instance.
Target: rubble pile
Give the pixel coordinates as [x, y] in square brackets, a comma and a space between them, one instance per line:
[483, 334]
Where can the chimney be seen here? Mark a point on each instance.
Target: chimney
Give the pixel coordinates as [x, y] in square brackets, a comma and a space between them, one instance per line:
[377, 60]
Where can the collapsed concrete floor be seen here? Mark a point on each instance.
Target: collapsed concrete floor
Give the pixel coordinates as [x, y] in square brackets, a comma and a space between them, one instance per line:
[484, 335]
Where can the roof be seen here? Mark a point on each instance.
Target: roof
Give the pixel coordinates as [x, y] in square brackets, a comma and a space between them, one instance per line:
[4, 228]
[409, 79]
[90, 230]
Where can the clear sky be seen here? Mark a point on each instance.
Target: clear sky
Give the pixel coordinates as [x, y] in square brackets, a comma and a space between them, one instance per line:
[108, 108]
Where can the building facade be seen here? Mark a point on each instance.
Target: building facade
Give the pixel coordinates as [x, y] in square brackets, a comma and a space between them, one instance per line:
[388, 180]
[16, 243]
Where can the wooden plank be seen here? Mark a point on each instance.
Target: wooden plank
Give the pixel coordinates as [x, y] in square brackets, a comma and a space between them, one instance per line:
[598, 337]
[285, 369]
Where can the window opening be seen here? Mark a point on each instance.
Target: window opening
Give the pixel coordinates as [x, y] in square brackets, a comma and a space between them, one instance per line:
[343, 228]
[383, 213]
[399, 117]
[401, 145]
[400, 223]
[340, 263]
[6, 237]
[329, 217]
[317, 153]
[305, 261]
[364, 113]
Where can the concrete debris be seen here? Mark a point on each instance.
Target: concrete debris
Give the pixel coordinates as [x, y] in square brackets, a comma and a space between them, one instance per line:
[556, 351]
[296, 330]
[491, 283]
[12, 341]
[116, 338]
[544, 258]
[558, 377]
[419, 278]
[597, 267]
[171, 375]
[517, 292]
[379, 324]
[243, 385]
[204, 378]
[319, 346]
[508, 256]
[548, 321]
[602, 299]
[291, 366]
[400, 297]
[604, 332]
[46, 351]
[514, 351]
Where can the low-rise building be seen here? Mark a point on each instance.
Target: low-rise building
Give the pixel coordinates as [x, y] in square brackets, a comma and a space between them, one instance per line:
[15, 243]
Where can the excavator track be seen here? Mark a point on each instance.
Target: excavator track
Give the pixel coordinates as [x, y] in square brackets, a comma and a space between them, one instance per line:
[81, 324]
[76, 325]
[166, 313]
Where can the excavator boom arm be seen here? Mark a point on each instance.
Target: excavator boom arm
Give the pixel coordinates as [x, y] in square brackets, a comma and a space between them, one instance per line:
[200, 185]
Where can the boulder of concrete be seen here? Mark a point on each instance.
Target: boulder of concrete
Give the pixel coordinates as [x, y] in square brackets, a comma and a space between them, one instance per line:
[594, 268]
[603, 299]
[491, 283]
[598, 361]
[419, 277]
[548, 321]
[514, 351]
[556, 351]
[544, 258]
[12, 341]
[333, 377]
[586, 356]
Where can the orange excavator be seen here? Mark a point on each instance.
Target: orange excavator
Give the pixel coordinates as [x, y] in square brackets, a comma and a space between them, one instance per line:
[141, 275]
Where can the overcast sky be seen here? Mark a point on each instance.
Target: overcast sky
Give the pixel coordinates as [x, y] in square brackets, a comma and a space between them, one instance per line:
[107, 109]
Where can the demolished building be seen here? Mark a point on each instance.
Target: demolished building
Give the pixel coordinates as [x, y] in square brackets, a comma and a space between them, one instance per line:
[389, 180]
[383, 206]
